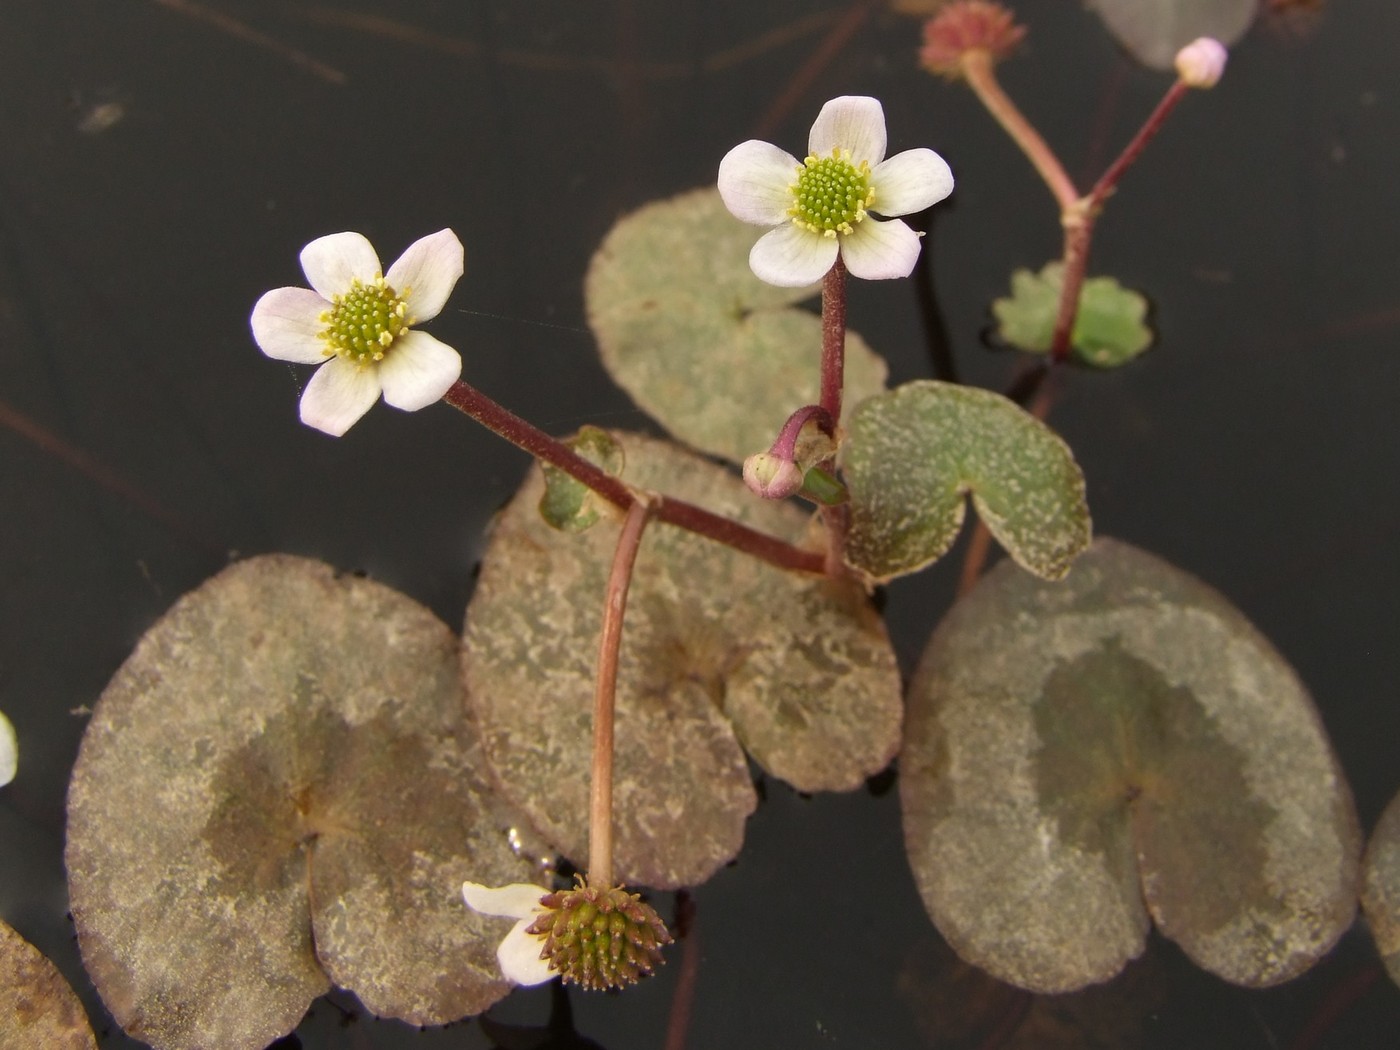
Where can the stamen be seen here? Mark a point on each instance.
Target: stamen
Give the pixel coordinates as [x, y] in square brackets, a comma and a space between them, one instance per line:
[831, 194]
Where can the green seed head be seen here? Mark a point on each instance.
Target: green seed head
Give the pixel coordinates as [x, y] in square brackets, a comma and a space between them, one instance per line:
[831, 194]
[600, 938]
[364, 322]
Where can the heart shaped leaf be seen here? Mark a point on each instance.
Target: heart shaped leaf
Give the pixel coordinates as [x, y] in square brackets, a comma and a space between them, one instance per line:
[278, 791]
[1155, 30]
[37, 1008]
[721, 654]
[716, 356]
[911, 456]
[1109, 329]
[1086, 757]
[1380, 887]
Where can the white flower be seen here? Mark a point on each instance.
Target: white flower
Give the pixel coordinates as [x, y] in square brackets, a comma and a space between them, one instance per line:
[1201, 63]
[822, 206]
[519, 952]
[9, 751]
[360, 318]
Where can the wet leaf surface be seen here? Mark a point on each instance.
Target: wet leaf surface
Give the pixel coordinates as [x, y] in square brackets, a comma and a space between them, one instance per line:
[1109, 329]
[914, 454]
[278, 791]
[1155, 30]
[37, 1008]
[720, 654]
[1084, 758]
[1380, 887]
[716, 356]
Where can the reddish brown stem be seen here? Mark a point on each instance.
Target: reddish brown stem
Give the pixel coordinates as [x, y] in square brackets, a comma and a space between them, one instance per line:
[833, 339]
[600, 822]
[536, 442]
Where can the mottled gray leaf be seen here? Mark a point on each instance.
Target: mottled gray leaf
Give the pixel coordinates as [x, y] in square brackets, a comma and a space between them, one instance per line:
[37, 1008]
[1380, 887]
[1085, 757]
[703, 346]
[719, 650]
[913, 454]
[278, 791]
[1155, 30]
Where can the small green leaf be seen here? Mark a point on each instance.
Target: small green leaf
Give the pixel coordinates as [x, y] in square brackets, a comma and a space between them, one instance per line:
[1380, 887]
[568, 504]
[1108, 331]
[716, 356]
[1086, 758]
[913, 454]
[1155, 30]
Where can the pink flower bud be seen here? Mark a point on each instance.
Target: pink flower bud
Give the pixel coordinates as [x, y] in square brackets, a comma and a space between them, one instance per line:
[772, 477]
[1201, 63]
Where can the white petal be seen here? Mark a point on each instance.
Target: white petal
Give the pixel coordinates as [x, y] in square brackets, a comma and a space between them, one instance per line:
[417, 370]
[426, 272]
[330, 263]
[519, 900]
[339, 393]
[287, 326]
[853, 122]
[792, 257]
[910, 182]
[9, 751]
[877, 251]
[519, 956]
[755, 181]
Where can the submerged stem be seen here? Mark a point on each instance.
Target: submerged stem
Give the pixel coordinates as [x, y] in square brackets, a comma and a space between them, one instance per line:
[600, 823]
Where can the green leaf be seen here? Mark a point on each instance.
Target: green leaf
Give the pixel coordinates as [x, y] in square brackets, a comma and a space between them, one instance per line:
[1085, 758]
[1380, 887]
[37, 1008]
[912, 454]
[721, 654]
[569, 504]
[716, 356]
[1109, 329]
[279, 791]
[1155, 30]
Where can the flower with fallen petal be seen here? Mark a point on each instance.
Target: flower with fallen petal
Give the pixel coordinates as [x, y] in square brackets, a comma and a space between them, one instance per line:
[520, 953]
[825, 206]
[357, 321]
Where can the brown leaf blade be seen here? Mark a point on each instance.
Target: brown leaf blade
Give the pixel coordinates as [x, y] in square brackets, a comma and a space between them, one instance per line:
[37, 1008]
[1084, 757]
[718, 651]
[285, 752]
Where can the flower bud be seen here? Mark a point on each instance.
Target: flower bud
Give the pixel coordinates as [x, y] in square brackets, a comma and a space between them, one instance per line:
[600, 938]
[967, 25]
[771, 476]
[1201, 63]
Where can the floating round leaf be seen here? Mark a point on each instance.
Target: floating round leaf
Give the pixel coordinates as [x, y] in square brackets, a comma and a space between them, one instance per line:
[712, 353]
[912, 454]
[1380, 888]
[276, 792]
[37, 1008]
[1109, 329]
[718, 650]
[1082, 756]
[1155, 30]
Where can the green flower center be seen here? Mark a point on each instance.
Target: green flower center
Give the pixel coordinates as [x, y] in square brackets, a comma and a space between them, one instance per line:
[831, 194]
[364, 322]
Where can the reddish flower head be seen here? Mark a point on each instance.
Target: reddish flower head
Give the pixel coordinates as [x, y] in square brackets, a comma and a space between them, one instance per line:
[967, 25]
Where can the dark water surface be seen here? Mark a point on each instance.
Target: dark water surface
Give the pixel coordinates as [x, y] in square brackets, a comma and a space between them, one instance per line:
[159, 172]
